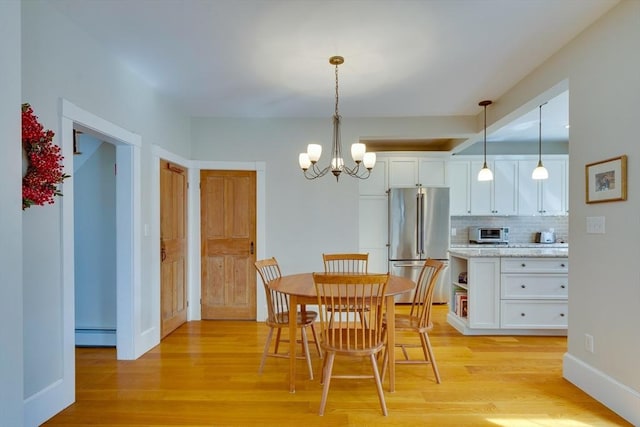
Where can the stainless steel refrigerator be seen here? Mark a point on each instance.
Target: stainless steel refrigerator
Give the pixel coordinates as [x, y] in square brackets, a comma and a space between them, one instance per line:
[419, 228]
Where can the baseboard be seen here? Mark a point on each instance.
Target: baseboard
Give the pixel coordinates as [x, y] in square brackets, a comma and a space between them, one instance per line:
[95, 337]
[618, 397]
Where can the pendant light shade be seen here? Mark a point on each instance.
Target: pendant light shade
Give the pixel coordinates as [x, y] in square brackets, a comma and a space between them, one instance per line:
[540, 172]
[485, 173]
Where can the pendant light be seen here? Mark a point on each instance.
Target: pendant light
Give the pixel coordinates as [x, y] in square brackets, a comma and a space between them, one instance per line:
[540, 172]
[485, 173]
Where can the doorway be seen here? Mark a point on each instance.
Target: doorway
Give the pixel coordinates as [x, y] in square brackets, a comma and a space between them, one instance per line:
[94, 189]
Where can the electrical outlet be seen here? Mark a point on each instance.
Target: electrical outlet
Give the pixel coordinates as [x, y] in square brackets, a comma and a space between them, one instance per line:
[588, 343]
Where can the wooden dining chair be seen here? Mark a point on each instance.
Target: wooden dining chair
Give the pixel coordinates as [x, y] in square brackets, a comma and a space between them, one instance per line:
[278, 316]
[345, 263]
[418, 320]
[346, 336]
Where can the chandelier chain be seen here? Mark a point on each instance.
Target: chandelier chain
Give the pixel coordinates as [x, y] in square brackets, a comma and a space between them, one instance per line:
[337, 96]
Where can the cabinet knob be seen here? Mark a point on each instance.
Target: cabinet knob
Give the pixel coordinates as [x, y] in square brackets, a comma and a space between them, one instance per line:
[523, 264]
[562, 265]
[523, 286]
[561, 314]
[522, 314]
[563, 286]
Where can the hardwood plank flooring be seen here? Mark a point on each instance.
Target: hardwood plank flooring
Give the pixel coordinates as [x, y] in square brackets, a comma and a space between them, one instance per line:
[205, 374]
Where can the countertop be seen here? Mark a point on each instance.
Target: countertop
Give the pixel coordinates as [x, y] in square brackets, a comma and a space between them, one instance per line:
[537, 250]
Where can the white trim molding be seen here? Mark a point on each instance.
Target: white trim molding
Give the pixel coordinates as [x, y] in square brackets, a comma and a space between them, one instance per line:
[618, 397]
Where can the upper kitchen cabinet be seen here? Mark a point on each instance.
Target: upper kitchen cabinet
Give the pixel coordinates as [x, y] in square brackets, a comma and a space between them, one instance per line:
[459, 187]
[412, 171]
[472, 197]
[543, 197]
[376, 184]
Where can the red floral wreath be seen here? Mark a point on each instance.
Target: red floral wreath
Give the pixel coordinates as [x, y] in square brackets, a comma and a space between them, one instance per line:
[39, 184]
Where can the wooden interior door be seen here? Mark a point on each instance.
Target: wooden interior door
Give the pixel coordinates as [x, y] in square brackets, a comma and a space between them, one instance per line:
[228, 235]
[173, 247]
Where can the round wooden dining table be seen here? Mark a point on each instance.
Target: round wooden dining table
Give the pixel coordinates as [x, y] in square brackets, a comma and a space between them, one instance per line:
[302, 291]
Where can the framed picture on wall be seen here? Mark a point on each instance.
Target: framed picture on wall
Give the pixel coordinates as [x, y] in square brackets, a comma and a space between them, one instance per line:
[606, 180]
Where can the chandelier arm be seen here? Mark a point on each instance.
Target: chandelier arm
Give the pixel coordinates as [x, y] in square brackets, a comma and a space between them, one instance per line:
[357, 173]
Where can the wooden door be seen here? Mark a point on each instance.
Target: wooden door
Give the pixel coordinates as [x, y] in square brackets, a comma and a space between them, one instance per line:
[228, 235]
[173, 246]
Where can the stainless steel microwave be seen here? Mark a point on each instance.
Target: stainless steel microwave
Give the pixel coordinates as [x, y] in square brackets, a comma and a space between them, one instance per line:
[489, 234]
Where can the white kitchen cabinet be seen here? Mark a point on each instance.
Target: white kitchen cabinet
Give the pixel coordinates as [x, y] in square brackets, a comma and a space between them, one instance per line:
[509, 295]
[459, 187]
[482, 290]
[432, 172]
[373, 231]
[543, 197]
[534, 293]
[411, 171]
[472, 197]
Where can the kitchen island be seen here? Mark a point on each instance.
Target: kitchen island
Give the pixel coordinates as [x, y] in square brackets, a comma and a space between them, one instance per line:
[515, 290]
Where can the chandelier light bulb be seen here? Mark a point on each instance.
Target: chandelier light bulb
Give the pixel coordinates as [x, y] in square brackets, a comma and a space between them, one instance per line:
[357, 151]
[304, 161]
[314, 151]
[369, 160]
[337, 163]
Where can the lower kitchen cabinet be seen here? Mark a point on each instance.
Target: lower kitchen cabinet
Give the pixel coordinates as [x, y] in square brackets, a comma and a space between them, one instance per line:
[505, 295]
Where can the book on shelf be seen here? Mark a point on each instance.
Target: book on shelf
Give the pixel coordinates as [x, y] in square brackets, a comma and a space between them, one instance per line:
[460, 303]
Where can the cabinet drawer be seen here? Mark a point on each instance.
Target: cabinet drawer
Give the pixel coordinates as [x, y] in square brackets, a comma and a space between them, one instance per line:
[534, 265]
[534, 314]
[534, 286]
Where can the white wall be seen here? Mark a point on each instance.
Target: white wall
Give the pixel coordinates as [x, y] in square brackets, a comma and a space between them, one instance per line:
[306, 218]
[11, 355]
[602, 66]
[51, 49]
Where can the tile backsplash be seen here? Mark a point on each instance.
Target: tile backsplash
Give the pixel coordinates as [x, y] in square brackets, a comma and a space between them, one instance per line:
[522, 229]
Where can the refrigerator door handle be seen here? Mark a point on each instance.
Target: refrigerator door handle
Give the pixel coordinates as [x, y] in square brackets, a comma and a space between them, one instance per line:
[418, 215]
[412, 265]
[421, 223]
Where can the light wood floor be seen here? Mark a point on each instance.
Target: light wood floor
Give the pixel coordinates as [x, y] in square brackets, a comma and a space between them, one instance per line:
[205, 374]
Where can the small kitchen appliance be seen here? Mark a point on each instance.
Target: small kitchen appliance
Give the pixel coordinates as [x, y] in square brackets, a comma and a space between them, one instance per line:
[489, 234]
[546, 237]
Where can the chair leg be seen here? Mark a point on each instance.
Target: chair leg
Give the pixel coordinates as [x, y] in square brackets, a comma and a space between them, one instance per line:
[266, 349]
[305, 349]
[426, 347]
[376, 375]
[326, 374]
[315, 339]
[275, 350]
[385, 361]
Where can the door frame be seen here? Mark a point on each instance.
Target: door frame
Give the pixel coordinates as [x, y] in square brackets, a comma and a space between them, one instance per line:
[195, 270]
[129, 341]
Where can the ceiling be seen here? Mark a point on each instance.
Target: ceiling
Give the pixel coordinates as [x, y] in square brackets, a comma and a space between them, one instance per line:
[403, 58]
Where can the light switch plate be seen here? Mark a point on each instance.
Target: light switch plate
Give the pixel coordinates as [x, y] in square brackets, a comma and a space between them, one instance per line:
[595, 225]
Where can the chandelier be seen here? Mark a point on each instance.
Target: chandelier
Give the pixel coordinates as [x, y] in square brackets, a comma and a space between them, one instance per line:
[309, 161]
